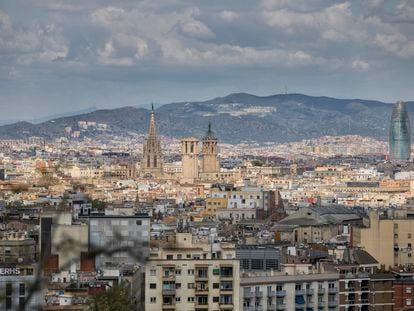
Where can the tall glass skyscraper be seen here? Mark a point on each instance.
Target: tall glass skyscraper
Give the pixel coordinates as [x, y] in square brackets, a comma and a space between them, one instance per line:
[400, 134]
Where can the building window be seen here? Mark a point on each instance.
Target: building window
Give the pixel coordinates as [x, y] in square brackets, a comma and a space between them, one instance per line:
[139, 222]
[216, 285]
[190, 299]
[177, 299]
[153, 272]
[21, 302]
[408, 290]
[190, 271]
[8, 303]
[22, 289]
[298, 287]
[216, 299]
[408, 302]
[190, 285]
[153, 299]
[177, 272]
[9, 289]
[409, 235]
[170, 257]
[409, 255]
[153, 285]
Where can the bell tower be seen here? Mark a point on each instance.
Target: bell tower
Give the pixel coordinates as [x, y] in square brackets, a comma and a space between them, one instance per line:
[210, 163]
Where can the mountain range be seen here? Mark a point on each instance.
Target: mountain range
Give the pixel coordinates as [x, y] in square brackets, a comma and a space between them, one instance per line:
[235, 118]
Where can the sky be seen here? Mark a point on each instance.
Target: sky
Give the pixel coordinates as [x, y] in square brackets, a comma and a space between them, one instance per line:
[66, 55]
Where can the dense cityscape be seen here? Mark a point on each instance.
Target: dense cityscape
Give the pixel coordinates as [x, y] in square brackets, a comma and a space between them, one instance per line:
[191, 155]
[322, 224]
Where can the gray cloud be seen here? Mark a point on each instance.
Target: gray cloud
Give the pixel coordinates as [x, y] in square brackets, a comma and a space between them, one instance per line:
[163, 48]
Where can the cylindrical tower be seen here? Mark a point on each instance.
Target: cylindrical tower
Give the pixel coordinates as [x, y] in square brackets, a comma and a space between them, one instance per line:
[400, 134]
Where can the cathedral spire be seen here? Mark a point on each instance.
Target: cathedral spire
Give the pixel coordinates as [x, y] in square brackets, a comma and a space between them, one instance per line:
[152, 131]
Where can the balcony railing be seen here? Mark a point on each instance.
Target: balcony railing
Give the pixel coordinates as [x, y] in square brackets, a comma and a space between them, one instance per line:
[309, 291]
[280, 293]
[332, 290]
[280, 306]
[321, 291]
[168, 291]
[332, 303]
[300, 292]
[248, 294]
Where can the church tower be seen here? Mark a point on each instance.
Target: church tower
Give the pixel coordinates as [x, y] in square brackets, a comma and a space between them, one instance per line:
[152, 160]
[189, 159]
[210, 163]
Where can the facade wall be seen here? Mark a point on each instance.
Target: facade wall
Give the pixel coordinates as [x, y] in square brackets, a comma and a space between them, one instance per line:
[192, 285]
[296, 292]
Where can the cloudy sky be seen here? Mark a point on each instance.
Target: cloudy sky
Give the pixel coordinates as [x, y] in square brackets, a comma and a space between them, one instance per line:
[66, 55]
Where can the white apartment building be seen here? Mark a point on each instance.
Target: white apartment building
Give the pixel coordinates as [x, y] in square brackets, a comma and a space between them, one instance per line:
[192, 276]
[297, 287]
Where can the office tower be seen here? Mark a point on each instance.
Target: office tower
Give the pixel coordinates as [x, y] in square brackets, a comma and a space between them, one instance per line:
[189, 159]
[400, 134]
[152, 160]
[210, 163]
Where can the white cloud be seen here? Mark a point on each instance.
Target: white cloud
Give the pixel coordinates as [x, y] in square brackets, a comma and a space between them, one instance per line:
[361, 65]
[37, 42]
[229, 16]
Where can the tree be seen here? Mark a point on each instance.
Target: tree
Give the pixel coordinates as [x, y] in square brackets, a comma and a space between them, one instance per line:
[116, 298]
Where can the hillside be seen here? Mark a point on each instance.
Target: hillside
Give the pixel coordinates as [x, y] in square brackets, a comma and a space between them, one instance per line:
[236, 118]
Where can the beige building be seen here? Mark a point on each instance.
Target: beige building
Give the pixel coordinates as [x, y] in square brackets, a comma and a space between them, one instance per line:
[191, 275]
[388, 238]
[189, 159]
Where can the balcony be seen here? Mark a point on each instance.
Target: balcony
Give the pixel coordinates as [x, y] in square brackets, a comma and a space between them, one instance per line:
[249, 308]
[201, 276]
[364, 301]
[280, 293]
[321, 291]
[300, 292]
[332, 303]
[248, 294]
[168, 291]
[259, 308]
[259, 294]
[170, 277]
[332, 290]
[168, 305]
[226, 305]
[365, 288]
[201, 290]
[280, 306]
[321, 304]
[309, 292]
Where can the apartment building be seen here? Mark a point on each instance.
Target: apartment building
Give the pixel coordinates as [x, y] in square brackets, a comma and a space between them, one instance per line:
[404, 289]
[389, 237]
[192, 276]
[364, 291]
[297, 287]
